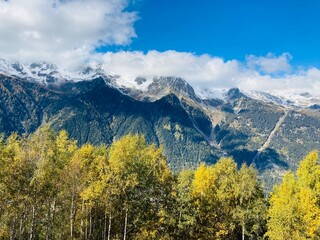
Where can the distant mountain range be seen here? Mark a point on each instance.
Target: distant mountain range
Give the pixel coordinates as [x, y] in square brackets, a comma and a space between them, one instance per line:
[273, 132]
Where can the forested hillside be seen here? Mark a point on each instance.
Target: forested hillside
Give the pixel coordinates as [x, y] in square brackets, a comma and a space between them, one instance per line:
[51, 188]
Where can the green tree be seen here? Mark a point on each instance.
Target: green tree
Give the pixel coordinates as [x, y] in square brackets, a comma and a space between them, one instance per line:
[184, 205]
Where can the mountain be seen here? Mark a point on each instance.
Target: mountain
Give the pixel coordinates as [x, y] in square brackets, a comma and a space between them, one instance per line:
[269, 131]
[46, 73]
[92, 111]
[301, 100]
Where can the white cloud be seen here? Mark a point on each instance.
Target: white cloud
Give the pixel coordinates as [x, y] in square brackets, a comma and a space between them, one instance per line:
[62, 30]
[67, 32]
[205, 71]
[198, 70]
[270, 63]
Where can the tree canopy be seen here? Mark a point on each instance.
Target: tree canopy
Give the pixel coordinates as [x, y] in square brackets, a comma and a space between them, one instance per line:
[51, 188]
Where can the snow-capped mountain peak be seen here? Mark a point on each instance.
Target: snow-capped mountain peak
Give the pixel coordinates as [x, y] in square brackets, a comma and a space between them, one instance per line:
[205, 93]
[153, 88]
[296, 100]
[46, 73]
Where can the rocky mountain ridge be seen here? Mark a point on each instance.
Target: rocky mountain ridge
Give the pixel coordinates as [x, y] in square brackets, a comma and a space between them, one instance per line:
[144, 88]
[99, 108]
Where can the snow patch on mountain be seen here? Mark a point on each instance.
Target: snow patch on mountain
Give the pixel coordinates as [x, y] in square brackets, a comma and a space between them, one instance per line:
[139, 83]
[287, 99]
[205, 93]
[45, 73]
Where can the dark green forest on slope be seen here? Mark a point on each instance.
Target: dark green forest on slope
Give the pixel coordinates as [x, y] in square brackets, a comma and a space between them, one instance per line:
[191, 131]
[51, 188]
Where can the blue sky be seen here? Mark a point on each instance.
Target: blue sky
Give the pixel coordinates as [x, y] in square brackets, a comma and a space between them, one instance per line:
[214, 44]
[230, 29]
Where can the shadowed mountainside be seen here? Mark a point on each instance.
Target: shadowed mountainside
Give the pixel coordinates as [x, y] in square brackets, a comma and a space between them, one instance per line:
[190, 130]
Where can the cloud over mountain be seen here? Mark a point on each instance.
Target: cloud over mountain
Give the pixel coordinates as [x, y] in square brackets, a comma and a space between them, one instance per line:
[270, 63]
[68, 32]
[62, 30]
[263, 73]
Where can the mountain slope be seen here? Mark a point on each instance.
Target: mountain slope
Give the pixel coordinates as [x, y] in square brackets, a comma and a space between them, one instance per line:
[94, 112]
[99, 108]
